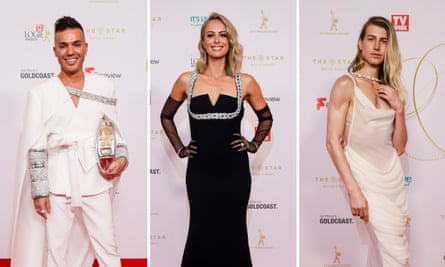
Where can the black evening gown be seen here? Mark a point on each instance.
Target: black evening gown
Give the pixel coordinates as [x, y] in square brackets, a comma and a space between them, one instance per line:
[218, 187]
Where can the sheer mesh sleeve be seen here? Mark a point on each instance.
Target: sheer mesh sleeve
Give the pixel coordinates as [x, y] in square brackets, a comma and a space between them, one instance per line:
[264, 125]
[167, 114]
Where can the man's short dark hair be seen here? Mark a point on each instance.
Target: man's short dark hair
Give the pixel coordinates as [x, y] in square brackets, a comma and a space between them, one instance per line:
[67, 22]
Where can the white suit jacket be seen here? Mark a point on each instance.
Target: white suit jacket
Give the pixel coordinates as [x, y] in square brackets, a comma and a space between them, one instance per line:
[53, 122]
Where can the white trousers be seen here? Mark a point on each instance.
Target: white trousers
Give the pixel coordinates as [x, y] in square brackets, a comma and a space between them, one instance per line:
[95, 219]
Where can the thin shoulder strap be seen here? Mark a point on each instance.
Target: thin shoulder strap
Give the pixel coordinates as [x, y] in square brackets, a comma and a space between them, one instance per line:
[351, 108]
[353, 79]
[191, 85]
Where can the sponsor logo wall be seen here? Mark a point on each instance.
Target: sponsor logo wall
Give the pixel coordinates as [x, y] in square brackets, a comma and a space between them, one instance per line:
[267, 32]
[117, 49]
[327, 44]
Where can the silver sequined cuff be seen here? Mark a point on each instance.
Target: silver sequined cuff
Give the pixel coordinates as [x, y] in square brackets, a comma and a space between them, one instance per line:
[38, 170]
[122, 152]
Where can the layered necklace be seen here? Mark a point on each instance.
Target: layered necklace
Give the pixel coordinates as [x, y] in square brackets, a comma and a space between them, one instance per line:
[364, 76]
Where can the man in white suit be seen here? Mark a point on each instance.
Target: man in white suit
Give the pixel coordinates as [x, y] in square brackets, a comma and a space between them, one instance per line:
[61, 186]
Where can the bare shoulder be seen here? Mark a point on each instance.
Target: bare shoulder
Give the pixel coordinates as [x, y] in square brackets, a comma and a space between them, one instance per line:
[179, 90]
[184, 77]
[247, 78]
[344, 81]
[249, 83]
[343, 88]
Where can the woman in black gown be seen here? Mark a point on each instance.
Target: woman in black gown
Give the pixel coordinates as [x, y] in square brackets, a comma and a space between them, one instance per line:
[218, 176]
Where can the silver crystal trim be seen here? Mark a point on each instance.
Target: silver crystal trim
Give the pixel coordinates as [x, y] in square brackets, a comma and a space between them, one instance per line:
[217, 115]
[90, 96]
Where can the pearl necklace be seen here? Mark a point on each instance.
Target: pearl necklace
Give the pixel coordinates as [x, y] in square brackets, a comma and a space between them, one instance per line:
[378, 101]
[364, 76]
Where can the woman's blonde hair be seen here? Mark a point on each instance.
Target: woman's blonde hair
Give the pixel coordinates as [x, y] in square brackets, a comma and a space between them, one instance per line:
[391, 69]
[234, 57]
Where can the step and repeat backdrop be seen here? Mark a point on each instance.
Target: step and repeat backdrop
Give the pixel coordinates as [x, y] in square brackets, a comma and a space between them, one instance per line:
[267, 30]
[116, 31]
[328, 34]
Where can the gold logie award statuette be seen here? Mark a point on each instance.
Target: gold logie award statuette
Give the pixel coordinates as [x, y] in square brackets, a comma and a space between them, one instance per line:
[105, 142]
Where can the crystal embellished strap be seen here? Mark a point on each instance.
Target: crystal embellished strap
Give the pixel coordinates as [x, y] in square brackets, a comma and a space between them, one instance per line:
[216, 115]
[90, 96]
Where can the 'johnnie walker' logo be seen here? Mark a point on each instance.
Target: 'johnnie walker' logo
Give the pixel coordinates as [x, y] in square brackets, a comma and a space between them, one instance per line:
[333, 29]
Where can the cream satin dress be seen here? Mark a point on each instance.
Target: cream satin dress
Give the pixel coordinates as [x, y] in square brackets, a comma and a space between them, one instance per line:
[378, 171]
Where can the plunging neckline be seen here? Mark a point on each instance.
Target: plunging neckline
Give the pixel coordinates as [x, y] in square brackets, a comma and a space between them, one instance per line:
[215, 115]
[371, 103]
[217, 99]
[75, 106]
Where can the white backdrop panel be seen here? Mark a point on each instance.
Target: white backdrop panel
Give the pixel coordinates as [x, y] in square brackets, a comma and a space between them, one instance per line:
[270, 57]
[116, 32]
[328, 38]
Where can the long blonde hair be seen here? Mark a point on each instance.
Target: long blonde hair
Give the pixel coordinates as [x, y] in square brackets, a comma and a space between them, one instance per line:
[391, 69]
[234, 57]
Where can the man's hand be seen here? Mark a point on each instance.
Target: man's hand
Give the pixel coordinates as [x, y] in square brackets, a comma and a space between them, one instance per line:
[43, 208]
[114, 170]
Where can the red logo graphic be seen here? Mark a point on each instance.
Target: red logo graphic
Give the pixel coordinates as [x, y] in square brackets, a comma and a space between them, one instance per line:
[400, 22]
[89, 69]
[39, 27]
[321, 102]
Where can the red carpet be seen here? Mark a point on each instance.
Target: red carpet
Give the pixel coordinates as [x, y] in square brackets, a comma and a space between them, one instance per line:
[125, 263]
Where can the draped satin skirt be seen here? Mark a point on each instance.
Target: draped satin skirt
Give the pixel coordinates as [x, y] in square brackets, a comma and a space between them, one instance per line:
[388, 210]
